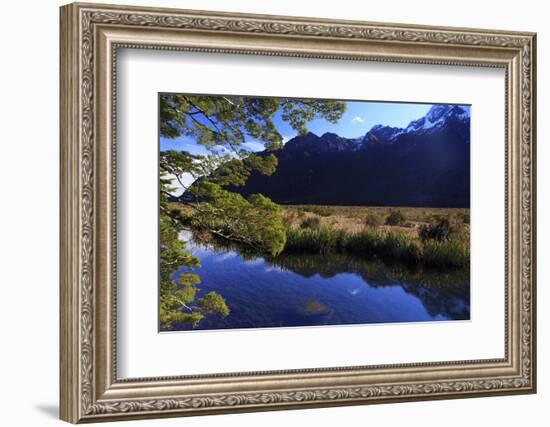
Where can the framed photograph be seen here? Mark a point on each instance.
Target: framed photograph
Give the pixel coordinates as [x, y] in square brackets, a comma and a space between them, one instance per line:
[267, 212]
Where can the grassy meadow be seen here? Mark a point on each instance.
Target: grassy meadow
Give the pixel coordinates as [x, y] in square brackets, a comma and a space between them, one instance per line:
[434, 237]
[353, 219]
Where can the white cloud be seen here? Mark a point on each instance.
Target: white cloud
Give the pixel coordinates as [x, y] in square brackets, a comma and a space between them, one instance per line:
[254, 146]
[358, 119]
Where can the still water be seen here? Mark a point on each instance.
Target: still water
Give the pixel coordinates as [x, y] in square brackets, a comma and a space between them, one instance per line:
[308, 290]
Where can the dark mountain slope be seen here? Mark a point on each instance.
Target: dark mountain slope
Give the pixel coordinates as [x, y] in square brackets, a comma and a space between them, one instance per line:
[425, 164]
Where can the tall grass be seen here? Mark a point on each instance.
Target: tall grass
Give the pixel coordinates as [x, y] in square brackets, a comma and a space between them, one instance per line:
[373, 220]
[395, 218]
[319, 240]
[447, 253]
[392, 246]
[311, 222]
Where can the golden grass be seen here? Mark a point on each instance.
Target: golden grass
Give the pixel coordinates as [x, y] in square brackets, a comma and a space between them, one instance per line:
[353, 218]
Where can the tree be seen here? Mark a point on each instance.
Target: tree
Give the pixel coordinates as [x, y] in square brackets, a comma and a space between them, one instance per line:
[222, 124]
[177, 297]
[255, 222]
[228, 120]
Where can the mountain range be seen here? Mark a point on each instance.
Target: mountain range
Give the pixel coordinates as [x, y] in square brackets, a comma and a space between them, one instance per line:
[425, 164]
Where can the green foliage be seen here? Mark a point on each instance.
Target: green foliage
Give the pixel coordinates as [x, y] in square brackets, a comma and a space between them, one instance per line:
[449, 253]
[367, 242]
[399, 246]
[395, 218]
[178, 162]
[229, 120]
[231, 172]
[321, 240]
[298, 112]
[213, 303]
[391, 246]
[311, 222]
[221, 124]
[255, 221]
[264, 165]
[236, 171]
[177, 297]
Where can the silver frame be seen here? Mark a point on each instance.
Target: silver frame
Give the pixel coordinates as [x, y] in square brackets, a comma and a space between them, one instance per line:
[90, 37]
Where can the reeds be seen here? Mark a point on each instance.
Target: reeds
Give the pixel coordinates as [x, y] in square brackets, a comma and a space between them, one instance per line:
[392, 245]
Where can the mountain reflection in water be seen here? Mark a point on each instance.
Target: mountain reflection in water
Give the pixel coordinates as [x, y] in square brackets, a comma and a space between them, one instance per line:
[333, 289]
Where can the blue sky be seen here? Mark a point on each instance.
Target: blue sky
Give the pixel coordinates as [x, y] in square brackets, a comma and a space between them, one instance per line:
[359, 118]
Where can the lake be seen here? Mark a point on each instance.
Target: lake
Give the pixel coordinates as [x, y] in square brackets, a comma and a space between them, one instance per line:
[312, 290]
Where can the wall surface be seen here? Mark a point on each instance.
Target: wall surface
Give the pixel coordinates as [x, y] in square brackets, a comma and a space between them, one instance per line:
[29, 170]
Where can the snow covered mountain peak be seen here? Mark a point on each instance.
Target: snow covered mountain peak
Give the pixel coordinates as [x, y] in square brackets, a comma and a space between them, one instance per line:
[437, 117]
[444, 111]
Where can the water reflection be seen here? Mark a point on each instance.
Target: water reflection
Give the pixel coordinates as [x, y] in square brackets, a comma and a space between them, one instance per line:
[305, 290]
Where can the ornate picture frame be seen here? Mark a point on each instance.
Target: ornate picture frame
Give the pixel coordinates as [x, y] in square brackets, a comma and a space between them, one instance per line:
[90, 37]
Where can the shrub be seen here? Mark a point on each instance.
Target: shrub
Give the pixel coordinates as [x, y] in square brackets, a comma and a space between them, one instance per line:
[466, 218]
[373, 220]
[395, 218]
[311, 222]
[320, 210]
[440, 231]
